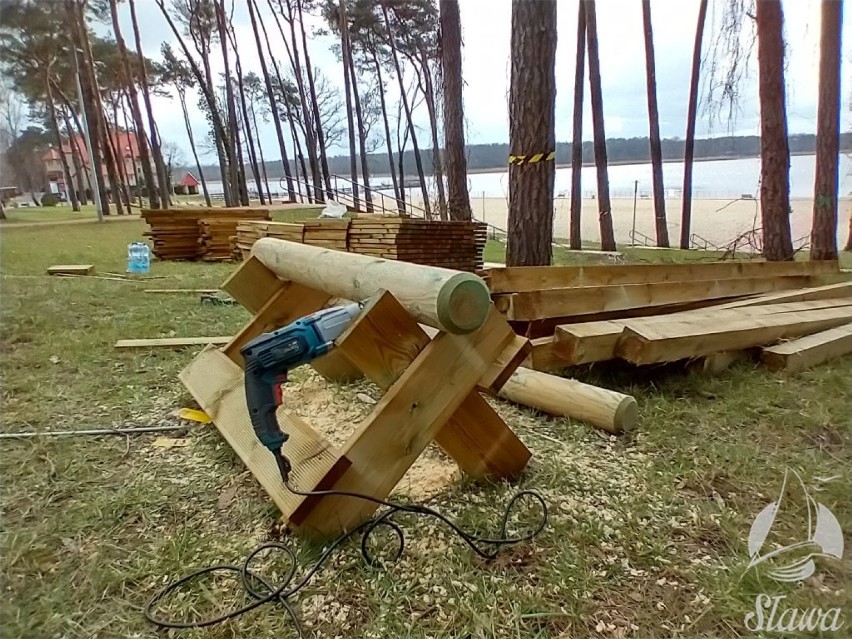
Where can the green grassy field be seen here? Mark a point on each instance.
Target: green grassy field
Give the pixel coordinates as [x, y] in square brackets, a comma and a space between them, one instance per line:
[647, 534]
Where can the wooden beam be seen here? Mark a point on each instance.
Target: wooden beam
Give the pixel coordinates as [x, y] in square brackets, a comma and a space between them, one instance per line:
[799, 354]
[597, 299]
[171, 342]
[181, 290]
[252, 284]
[386, 339]
[587, 342]
[335, 367]
[402, 424]
[542, 356]
[521, 279]
[450, 300]
[648, 343]
[216, 383]
[606, 409]
[291, 302]
[71, 269]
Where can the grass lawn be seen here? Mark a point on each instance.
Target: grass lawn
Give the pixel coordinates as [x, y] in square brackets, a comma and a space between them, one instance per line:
[647, 534]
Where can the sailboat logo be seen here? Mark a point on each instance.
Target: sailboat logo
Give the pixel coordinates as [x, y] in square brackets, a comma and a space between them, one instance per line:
[795, 562]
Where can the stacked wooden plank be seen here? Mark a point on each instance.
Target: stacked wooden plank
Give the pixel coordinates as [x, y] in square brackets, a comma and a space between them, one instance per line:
[214, 242]
[457, 245]
[176, 233]
[656, 313]
[331, 234]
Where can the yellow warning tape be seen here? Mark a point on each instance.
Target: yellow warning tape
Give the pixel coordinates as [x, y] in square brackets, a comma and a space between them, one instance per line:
[532, 159]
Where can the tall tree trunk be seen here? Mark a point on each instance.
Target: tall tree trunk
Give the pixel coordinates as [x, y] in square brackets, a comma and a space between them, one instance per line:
[576, 232]
[347, 89]
[691, 115]
[654, 125]
[596, 95]
[458, 201]
[138, 123]
[188, 124]
[383, 104]
[237, 180]
[532, 140]
[824, 228]
[774, 151]
[156, 150]
[119, 158]
[111, 163]
[323, 156]
[362, 132]
[76, 160]
[255, 169]
[270, 94]
[418, 160]
[70, 191]
[432, 110]
[90, 102]
[311, 132]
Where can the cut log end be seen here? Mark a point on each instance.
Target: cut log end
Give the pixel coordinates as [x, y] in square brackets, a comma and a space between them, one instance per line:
[626, 416]
[463, 303]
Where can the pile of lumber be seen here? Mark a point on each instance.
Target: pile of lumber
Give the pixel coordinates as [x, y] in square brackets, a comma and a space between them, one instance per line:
[176, 233]
[456, 245]
[648, 314]
[214, 242]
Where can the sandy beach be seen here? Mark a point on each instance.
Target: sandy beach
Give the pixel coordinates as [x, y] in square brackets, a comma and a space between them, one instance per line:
[716, 221]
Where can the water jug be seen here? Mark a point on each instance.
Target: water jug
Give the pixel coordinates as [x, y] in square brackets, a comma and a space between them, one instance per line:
[138, 257]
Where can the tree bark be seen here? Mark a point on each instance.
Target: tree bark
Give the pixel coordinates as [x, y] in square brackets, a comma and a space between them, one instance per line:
[824, 228]
[532, 97]
[270, 94]
[418, 160]
[458, 200]
[654, 126]
[156, 150]
[77, 160]
[188, 124]
[141, 137]
[691, 115]
[383, 104]
[774, 151]
[119, 158]
[576, 232]
[347, 89]
[255, 169]
[432, 110]
[596, 94]
[237, 180]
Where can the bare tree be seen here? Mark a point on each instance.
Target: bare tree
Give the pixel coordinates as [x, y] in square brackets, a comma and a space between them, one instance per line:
[692, 114]
[575, 238]
[654, 126]
[824, 228]
[532, 140]
[774, 150]
[604, 206]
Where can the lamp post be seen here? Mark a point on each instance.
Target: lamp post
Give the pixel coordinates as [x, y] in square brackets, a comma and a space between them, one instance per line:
[96, 195]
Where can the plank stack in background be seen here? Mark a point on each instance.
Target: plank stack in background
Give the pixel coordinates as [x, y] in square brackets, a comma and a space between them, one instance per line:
[176, 233]
[331, 234]
[654, 313]
[456, 245]
[214, 242]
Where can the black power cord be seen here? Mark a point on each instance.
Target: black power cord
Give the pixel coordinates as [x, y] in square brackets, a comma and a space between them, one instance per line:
[263, 592]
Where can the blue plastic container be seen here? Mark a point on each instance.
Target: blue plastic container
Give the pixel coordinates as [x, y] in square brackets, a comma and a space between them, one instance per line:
[138, 257]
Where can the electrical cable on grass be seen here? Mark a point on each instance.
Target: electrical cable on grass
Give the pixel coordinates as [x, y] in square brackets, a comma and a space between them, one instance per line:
[263, 592]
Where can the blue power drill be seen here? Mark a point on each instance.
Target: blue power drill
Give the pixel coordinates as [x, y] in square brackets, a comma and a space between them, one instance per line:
[268, 359]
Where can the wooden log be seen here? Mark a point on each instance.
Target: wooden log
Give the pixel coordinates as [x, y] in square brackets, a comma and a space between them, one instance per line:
[612, 411]
[452, 301]
[648, 343]
[536, 278]
[805, 352]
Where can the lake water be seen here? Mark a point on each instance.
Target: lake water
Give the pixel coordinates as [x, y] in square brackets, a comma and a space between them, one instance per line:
[711, 179]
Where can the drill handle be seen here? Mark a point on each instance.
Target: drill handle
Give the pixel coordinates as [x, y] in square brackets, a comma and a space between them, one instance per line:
[263, 396]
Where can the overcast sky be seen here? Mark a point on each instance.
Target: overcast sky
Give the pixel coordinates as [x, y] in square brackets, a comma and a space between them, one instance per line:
[486, 26]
